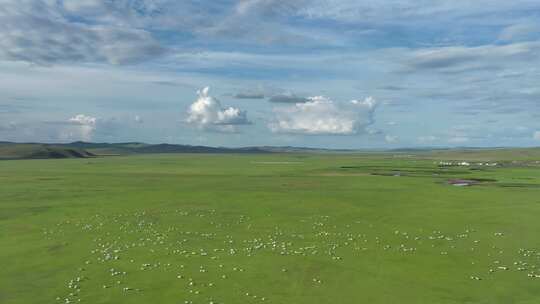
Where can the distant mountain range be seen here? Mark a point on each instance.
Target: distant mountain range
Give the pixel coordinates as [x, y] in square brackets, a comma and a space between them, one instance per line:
[79, 149]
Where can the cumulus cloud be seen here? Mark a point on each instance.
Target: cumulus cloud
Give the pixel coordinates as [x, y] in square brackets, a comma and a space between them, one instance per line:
[79, 127]
[39, 32]
[320, 116]
[82, 128]
[536, 135]
[83, 120]
[208, 113]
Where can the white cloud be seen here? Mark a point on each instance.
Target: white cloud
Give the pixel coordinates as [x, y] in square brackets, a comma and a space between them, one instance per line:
[321, 115]
[457, 58]
[373, 11]
[83, 120]
[81, 127]
[84, 5]
[260, 22]
[536, 135]
[77, 128]
[520, 32]
[39, 32]
[391, 139]
[207, 113]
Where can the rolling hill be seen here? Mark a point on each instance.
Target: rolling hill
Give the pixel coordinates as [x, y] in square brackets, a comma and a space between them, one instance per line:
[40, 151]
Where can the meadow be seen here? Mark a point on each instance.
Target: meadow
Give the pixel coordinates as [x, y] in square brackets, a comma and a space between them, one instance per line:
[271, 228]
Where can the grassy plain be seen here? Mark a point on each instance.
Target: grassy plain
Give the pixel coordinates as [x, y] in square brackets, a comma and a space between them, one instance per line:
[270, 228]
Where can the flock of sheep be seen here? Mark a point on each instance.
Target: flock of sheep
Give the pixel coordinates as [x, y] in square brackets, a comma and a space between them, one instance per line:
[205, 248]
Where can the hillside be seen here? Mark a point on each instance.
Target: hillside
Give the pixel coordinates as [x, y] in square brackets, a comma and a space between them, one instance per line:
[142, 148]
[40, 151]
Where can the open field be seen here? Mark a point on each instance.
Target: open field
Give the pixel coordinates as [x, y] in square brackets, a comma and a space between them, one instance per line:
[271, 228]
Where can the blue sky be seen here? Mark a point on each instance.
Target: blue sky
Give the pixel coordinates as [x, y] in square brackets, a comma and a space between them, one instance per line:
[318, 73]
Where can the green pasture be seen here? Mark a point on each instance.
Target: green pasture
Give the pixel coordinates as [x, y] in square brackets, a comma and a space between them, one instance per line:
[270, 228]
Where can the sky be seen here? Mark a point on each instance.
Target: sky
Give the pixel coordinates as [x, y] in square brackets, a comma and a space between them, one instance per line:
[355, 74]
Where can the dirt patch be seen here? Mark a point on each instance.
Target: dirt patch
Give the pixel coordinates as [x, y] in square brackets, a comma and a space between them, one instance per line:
[458, 182]
[462, 182]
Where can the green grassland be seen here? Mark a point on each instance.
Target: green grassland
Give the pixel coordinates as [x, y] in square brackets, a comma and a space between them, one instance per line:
[271, 228]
